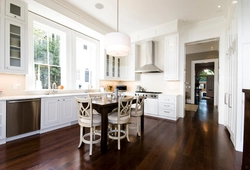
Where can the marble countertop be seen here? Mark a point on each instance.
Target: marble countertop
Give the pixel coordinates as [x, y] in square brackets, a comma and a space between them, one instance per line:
[30, 96]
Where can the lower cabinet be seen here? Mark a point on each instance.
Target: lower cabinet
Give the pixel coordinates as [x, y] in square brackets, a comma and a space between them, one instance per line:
[57, 112]
[150, 106]
[2, 122]
[168, 106]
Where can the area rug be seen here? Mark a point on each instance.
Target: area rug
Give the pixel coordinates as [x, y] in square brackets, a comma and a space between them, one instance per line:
[191, 107]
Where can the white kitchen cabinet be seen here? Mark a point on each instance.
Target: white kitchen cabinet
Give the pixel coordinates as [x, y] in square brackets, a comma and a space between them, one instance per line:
[14, 47]
[16, 9]
[129, 64]
[112, 68]
[69, 109]
[168, 106]
[57, 112]
[2, 122]
[171, 62]
[231, 79]
[13, 37]
[120, 68]
[151, 107]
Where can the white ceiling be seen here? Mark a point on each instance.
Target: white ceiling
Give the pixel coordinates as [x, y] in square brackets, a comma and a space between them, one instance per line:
[137, 15]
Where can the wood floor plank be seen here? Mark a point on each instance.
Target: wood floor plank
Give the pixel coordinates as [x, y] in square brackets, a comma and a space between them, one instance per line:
[195, 142]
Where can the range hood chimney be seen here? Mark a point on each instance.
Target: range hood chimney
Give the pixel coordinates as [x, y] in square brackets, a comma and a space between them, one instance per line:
[150, 59]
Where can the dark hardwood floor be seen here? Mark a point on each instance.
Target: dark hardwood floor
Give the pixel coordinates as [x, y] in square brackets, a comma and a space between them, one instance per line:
[195, 142]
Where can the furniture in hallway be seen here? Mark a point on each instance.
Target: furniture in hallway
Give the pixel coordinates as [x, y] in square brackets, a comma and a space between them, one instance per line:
[246, 144]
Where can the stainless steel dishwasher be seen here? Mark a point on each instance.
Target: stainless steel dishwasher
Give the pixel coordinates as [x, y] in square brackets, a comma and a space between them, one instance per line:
[23, 116]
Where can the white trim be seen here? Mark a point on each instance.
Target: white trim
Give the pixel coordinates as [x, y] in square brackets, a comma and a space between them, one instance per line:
[216, 77]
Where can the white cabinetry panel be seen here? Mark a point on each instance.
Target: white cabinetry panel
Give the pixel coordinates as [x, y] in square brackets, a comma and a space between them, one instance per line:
[15, 9]
[168, 106]
[57, 112]
[14, 40]
[151, 106]
[2, 122]
[171, 65]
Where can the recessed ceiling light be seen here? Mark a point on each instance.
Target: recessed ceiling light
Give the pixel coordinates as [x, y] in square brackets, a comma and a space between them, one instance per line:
[219, 6]
[234, 2]
[99, 6]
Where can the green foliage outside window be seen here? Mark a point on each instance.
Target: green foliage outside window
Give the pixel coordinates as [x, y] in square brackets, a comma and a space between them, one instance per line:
[203, 75]
[47, 58]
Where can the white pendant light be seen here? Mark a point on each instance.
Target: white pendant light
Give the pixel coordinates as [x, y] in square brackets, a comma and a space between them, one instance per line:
[117, 43]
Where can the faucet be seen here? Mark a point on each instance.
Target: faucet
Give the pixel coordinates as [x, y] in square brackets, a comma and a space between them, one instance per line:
[53, 88]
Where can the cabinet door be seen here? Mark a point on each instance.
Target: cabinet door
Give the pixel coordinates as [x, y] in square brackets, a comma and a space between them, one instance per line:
[15, 9]
[167, 113]
[69, 112]
[107, 67]
[171, 65]
[2, 121]
[118, 68]
[113, 67]
[50, 112]
[14, 53]
[150, 106]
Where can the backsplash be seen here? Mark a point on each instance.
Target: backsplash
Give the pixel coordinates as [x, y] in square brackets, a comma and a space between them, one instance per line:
[12, 85]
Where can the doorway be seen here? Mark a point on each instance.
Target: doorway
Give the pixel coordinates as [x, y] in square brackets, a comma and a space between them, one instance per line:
[201, 53]
[204, 81]
[205, 64]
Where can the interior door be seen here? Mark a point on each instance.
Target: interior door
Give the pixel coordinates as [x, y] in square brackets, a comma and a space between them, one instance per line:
[210, 86]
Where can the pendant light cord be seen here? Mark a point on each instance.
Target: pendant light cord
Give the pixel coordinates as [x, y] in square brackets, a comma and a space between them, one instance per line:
[117, 11]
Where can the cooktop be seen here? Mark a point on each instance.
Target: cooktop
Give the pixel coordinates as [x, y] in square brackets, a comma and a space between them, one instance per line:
[153, 92]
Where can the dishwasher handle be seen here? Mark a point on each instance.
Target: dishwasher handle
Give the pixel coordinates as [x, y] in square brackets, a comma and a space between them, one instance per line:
[21, 101]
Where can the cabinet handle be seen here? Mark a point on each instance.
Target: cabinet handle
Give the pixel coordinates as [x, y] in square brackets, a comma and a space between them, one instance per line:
[230, 100]
[225, 98]
[166, 111]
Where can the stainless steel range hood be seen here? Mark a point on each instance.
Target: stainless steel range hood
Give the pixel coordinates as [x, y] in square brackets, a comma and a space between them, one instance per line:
[150, 59]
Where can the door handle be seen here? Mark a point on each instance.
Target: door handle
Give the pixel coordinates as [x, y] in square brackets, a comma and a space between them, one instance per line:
[225, 98]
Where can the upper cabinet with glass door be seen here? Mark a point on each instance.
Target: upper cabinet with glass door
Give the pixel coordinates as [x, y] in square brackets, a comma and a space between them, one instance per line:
[112, 68]
[15, 9]
[15, 42]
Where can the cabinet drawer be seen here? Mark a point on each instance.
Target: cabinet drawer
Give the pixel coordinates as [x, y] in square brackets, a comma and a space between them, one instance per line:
[167, 106]
[164, 112]
[167, 99]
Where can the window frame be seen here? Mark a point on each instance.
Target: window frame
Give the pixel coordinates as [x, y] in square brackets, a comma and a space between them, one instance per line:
[68, 71]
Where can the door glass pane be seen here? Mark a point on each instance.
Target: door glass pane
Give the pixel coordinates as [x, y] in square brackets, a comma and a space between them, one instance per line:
[16, 10]
[107, 65]
[113, 66]
[15, 46]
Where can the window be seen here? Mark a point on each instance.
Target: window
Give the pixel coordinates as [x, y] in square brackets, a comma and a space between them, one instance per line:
[86, 63]
[63, 56]
[47, 56]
